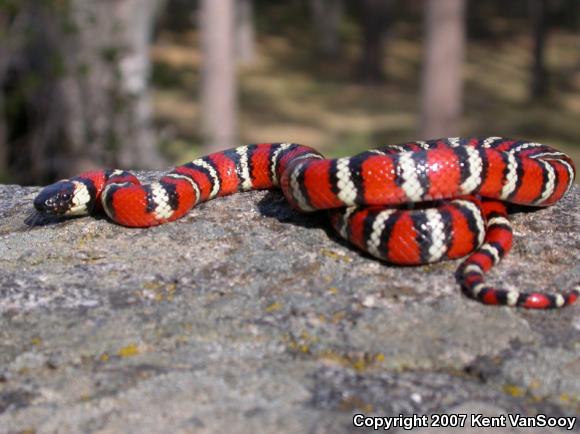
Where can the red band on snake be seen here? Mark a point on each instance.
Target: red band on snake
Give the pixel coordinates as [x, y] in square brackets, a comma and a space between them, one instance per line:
[409, 204]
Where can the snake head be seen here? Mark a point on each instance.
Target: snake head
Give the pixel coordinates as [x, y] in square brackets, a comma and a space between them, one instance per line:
[64, 198]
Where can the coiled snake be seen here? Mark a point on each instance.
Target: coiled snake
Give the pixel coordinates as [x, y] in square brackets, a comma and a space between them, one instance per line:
[412, 203]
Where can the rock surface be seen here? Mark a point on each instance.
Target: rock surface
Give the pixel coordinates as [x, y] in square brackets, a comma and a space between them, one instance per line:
[248, 317]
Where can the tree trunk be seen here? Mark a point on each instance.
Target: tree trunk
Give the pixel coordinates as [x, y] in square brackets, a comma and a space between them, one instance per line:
[81, 88]
[245, 32]
[218, 74]
[135, 68]
[539, 84]
[326, 18]
[375, 23]
[442, 93]
[112, 51]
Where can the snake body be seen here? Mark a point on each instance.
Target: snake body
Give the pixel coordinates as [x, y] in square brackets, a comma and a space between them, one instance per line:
[412, 203]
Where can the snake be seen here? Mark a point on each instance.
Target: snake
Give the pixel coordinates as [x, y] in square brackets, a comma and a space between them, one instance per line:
[407, 204]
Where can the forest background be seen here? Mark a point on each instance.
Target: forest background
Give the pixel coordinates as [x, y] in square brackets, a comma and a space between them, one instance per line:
[150, 83]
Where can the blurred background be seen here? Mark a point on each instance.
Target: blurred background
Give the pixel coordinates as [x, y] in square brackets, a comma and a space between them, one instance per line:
[150, 83]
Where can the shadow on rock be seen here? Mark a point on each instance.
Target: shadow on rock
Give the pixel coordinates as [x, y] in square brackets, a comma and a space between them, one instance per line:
[36, 219]
[274, 205]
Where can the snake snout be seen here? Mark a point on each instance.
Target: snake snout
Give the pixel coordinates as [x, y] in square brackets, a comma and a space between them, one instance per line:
[56, 199]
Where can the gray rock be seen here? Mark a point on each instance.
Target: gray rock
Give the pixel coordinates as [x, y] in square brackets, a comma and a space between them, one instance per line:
[249, 317]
